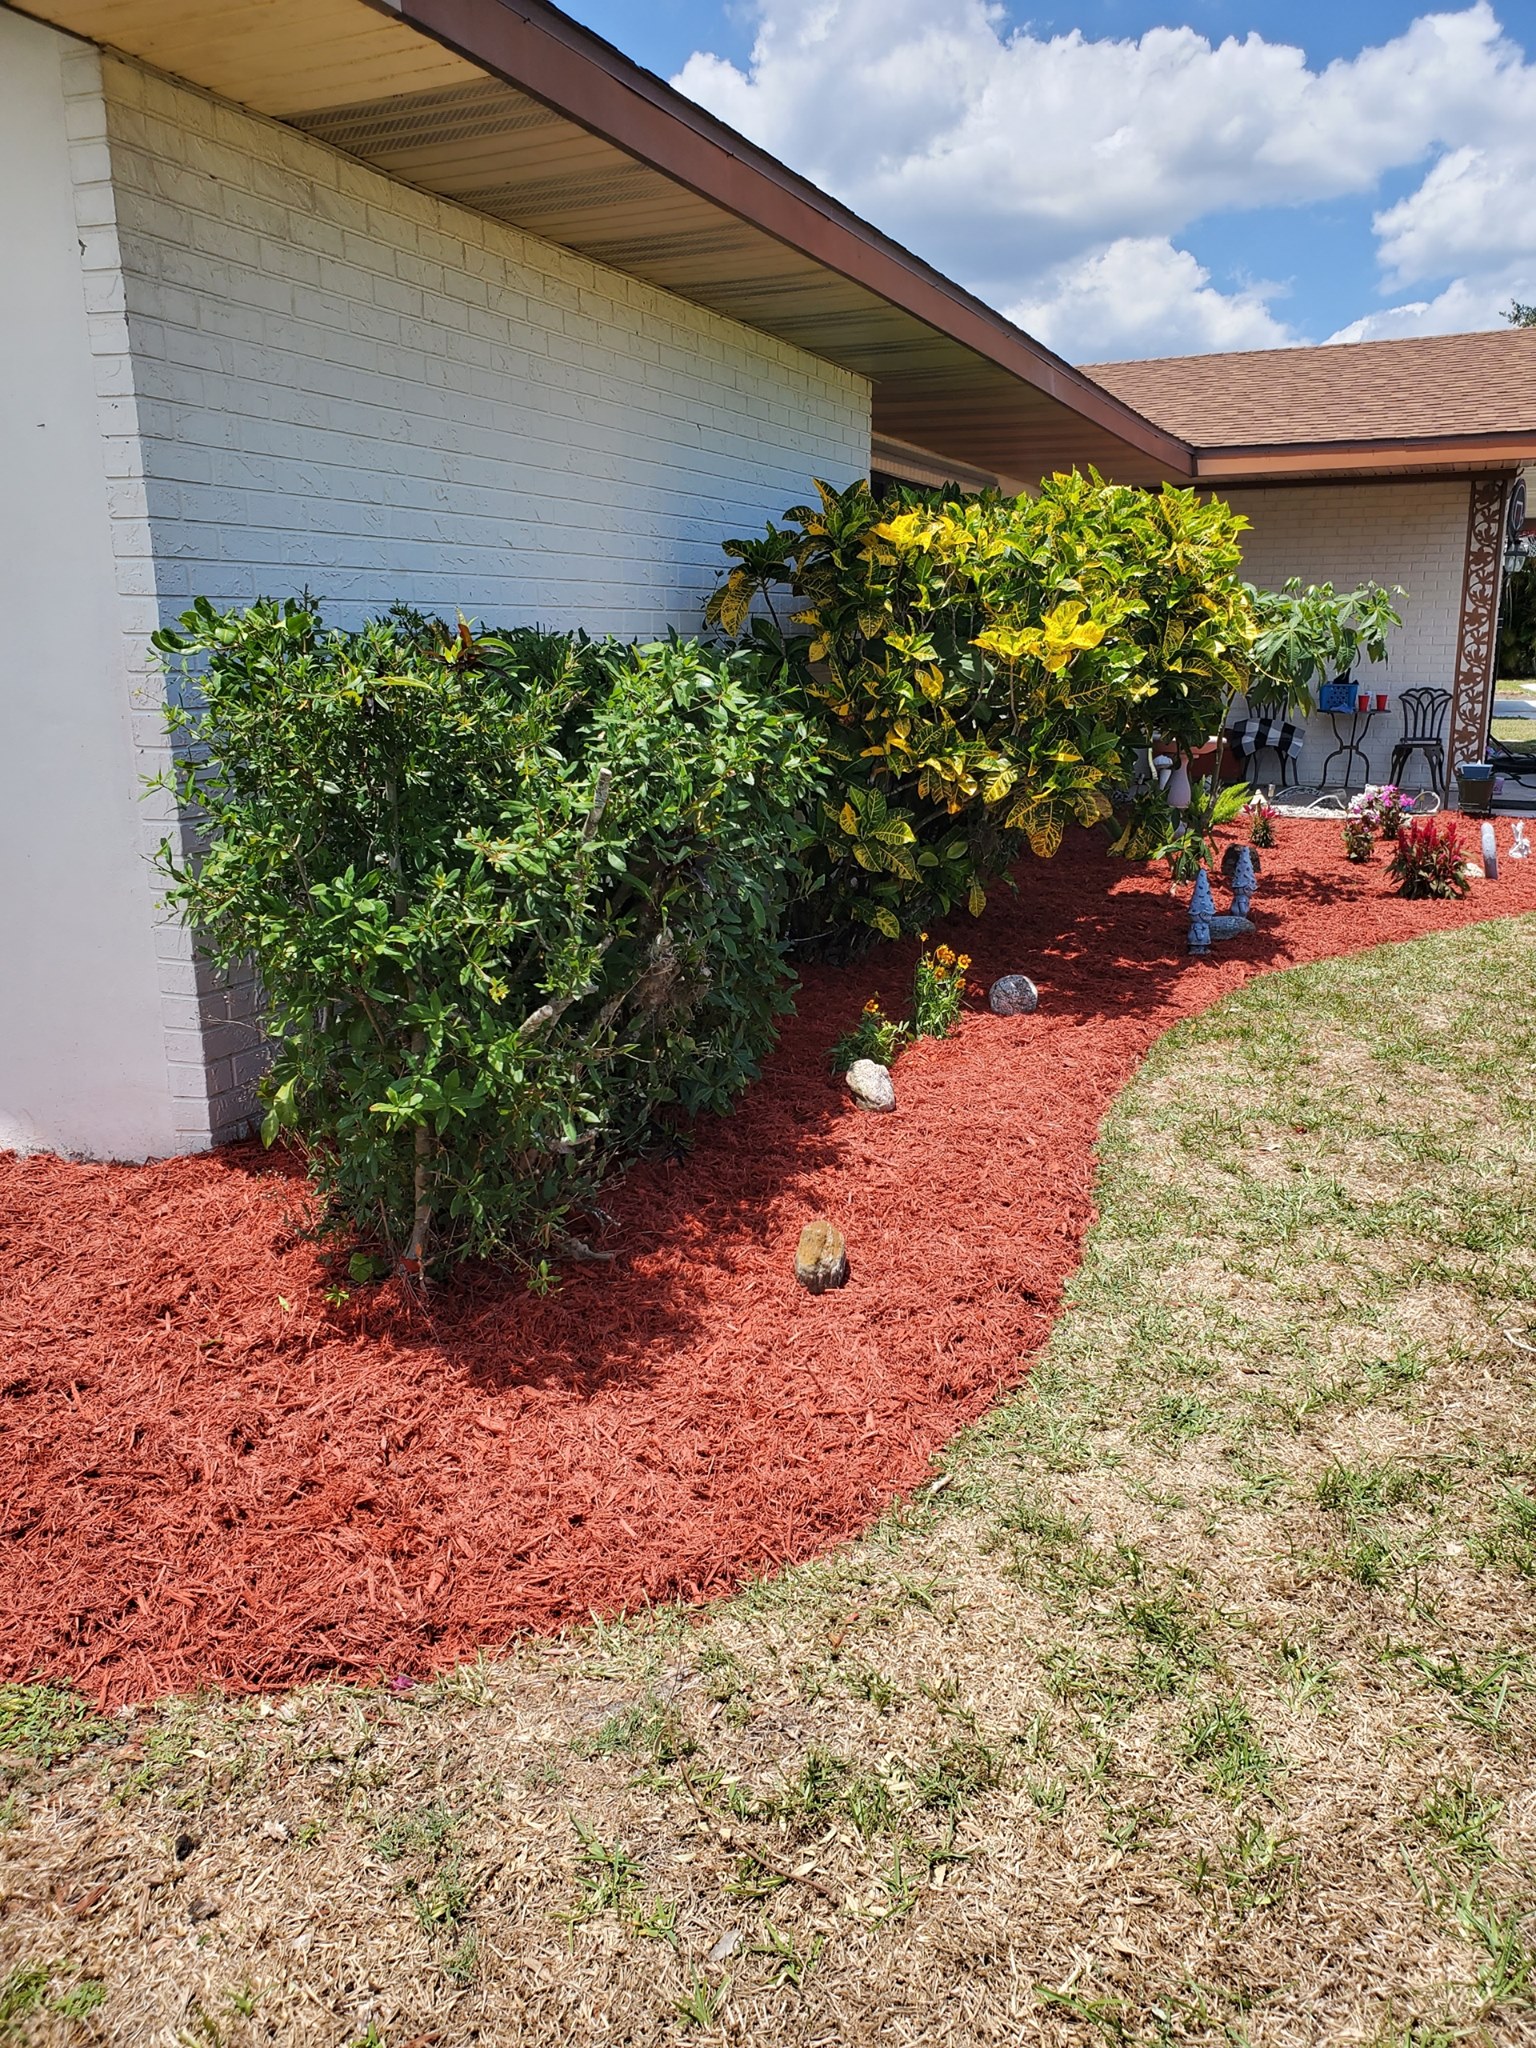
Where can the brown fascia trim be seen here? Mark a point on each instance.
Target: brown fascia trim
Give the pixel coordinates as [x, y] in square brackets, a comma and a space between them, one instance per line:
[1319, 460]
[553, 59]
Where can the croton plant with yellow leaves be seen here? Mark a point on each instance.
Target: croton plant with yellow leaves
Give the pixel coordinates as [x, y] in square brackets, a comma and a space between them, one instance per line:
[986, 668]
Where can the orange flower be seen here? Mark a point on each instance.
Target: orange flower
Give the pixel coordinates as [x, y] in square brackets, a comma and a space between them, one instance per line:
[963, 962]
[872, 1007]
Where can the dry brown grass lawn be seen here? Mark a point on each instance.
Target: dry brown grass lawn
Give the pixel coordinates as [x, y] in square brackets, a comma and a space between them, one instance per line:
[1196, 1702]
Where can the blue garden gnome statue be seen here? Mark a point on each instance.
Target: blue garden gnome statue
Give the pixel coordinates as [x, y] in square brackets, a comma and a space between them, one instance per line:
[1244, 882]
[1202, 908]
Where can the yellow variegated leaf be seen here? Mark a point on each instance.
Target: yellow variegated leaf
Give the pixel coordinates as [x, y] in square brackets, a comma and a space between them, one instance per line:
[887, 922]
[1090, 805]
[976, 900]
[1044, 837]
[848, 818]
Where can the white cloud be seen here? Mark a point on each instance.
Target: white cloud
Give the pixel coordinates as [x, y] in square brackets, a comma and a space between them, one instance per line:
[1141, 296]
[1041, 170]
[1465, 304]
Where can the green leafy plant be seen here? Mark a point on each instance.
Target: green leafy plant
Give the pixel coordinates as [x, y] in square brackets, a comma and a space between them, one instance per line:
[1428, 859]
[938, 990]
[985, 671]
[874, 1037]
[1310, 634]
[516, 900]
[1517, 629]
[1188, 837]
[1359, 835]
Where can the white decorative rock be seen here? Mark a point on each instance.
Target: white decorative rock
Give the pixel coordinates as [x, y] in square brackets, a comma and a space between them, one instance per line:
[1014, 995]
[871, 1085]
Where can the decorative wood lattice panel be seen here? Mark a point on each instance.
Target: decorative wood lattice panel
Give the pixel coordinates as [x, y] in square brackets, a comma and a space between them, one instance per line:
[1472, 702]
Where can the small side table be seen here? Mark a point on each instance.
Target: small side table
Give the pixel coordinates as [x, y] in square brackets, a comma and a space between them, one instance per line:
[1350, 748]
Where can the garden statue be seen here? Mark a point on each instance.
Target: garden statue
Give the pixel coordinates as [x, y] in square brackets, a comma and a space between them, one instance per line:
[1519, 845]
[1202, 908]
[1244, 882]
[1490, 852]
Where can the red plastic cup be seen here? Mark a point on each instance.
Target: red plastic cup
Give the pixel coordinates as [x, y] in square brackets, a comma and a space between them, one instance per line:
[1365, 700]
[1381, 700]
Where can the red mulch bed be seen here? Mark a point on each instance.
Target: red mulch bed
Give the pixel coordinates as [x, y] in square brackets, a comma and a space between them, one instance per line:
[210, 1474]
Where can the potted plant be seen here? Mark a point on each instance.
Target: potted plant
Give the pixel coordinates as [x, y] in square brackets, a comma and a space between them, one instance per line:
[1474, 787]
[1313, 635]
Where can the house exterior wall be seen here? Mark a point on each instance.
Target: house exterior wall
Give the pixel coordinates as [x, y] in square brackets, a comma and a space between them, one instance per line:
[346, 382]
[84, 1060]
[1412, 533]
[271, 367]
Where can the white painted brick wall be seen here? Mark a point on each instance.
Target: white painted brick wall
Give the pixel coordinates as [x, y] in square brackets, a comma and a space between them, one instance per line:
[1409, 533]
[344, 382]
[208, 1099]
[308, 374]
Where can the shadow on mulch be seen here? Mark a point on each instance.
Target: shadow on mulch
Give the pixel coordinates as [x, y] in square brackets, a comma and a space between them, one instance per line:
[211, 1473]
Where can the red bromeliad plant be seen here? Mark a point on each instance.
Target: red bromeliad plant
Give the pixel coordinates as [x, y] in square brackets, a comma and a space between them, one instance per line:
[1428, 859]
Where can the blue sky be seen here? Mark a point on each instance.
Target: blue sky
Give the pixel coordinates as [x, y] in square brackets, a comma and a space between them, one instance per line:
[1126, 179]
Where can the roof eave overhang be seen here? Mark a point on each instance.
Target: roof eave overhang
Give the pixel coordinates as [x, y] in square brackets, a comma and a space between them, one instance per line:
[1321, 461]
[588, 82]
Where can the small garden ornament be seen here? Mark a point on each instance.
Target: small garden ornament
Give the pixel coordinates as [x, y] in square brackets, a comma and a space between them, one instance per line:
[1013, 995]
[1244, 882]
[1202, 908]
[1519, 845]
[1490, 853]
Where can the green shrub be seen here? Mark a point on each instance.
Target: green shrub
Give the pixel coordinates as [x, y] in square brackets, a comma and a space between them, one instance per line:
[986, 670]
[512, 898]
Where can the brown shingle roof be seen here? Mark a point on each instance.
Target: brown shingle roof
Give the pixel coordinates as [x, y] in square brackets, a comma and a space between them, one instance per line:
[1435, 387]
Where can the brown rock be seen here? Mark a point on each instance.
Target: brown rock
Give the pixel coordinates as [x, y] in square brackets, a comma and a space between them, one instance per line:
[821, 1261]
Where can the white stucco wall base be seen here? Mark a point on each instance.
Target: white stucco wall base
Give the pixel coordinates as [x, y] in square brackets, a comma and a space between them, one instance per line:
[82, 1048]
[1410, 533]
[243, 365]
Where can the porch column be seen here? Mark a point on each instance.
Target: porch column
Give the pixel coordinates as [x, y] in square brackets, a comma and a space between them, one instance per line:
[1472, 691]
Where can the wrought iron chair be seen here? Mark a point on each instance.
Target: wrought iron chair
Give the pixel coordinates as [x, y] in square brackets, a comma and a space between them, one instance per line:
[1272, 710]
[1424, 712]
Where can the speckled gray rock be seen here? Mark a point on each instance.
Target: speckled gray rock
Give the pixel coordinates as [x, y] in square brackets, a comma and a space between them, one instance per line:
[1230, 927]
[1015, 995]
[871, 1085]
